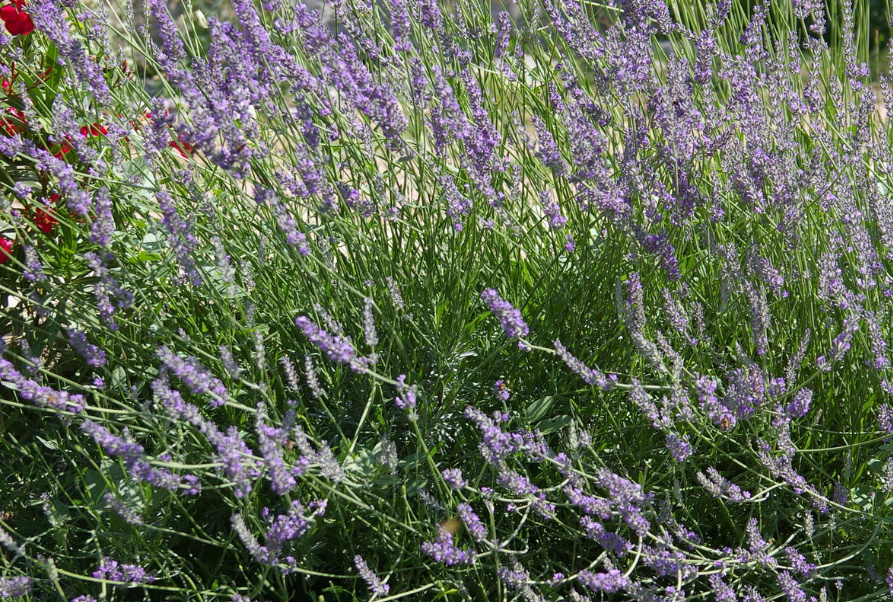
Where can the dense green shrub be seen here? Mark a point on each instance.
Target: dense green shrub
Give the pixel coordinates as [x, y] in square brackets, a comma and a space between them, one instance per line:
[432, 305]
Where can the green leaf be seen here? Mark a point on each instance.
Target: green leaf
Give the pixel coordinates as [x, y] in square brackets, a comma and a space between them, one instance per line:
[554, 424]
[47, 444]
[537, 410]
[411, 461]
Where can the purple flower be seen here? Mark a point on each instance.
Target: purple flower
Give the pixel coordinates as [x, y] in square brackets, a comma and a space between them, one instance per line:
[375, 585]
[589, 504]
[515, 482]
[103, 227]
[609, 540]
[453, 478]
[336, 348]
[553, 211]
[496, 445]
[407, 396]
[196, 377]
[548, 151]
[790, 587]
[501, 390]
[237, 459]
[472, 522]
[885, 418]
[271, 441]
[610, 582]
[33, 268]
[719, 413]
[799, 406]
[516, 578]
[93, 355]
[721, 590]
[132, 455]
[569, 244]
[281, 529]
[123, 573]
[622, 492]
[49, 18]
[122, 510]
[745, 390]
[720, 487]
[15, 587]
[510, 318]
[443, 550]
[839, 346]
[590, 376]
[798, 561]
[676, 315]
[679, 447]
[40, 395]
[284, 218]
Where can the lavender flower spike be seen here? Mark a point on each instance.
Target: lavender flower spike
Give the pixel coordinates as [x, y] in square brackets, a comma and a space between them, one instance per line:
[15, 587]
[199, 380]
[443, 550]
[123, 573]
[378, 588]
[510, 318]
[589, 375]
[338, 349]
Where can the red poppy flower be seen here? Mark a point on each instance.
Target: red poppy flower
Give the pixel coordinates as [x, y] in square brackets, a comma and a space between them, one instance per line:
[17, 21]
[95, 130]
[5, 249]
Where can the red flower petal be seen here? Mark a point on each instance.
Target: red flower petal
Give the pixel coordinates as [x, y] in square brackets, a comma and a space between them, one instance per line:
[44, 221]
[5, 249]
[182, 147]
[17, 21]
[15, 124]
[95, 130]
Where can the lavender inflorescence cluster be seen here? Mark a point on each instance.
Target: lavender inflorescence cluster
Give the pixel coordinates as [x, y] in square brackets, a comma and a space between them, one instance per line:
[416, 148]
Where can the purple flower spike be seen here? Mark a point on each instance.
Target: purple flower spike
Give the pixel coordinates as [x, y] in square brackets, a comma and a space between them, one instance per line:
[443, 550]
[15, 587]
[610, 582]
[123, 573]
[199, 380]
[375, 585]
[510, 318]
[336, 348]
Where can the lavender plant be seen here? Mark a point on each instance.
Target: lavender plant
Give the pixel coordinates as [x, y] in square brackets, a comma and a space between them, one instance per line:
[592, 300]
